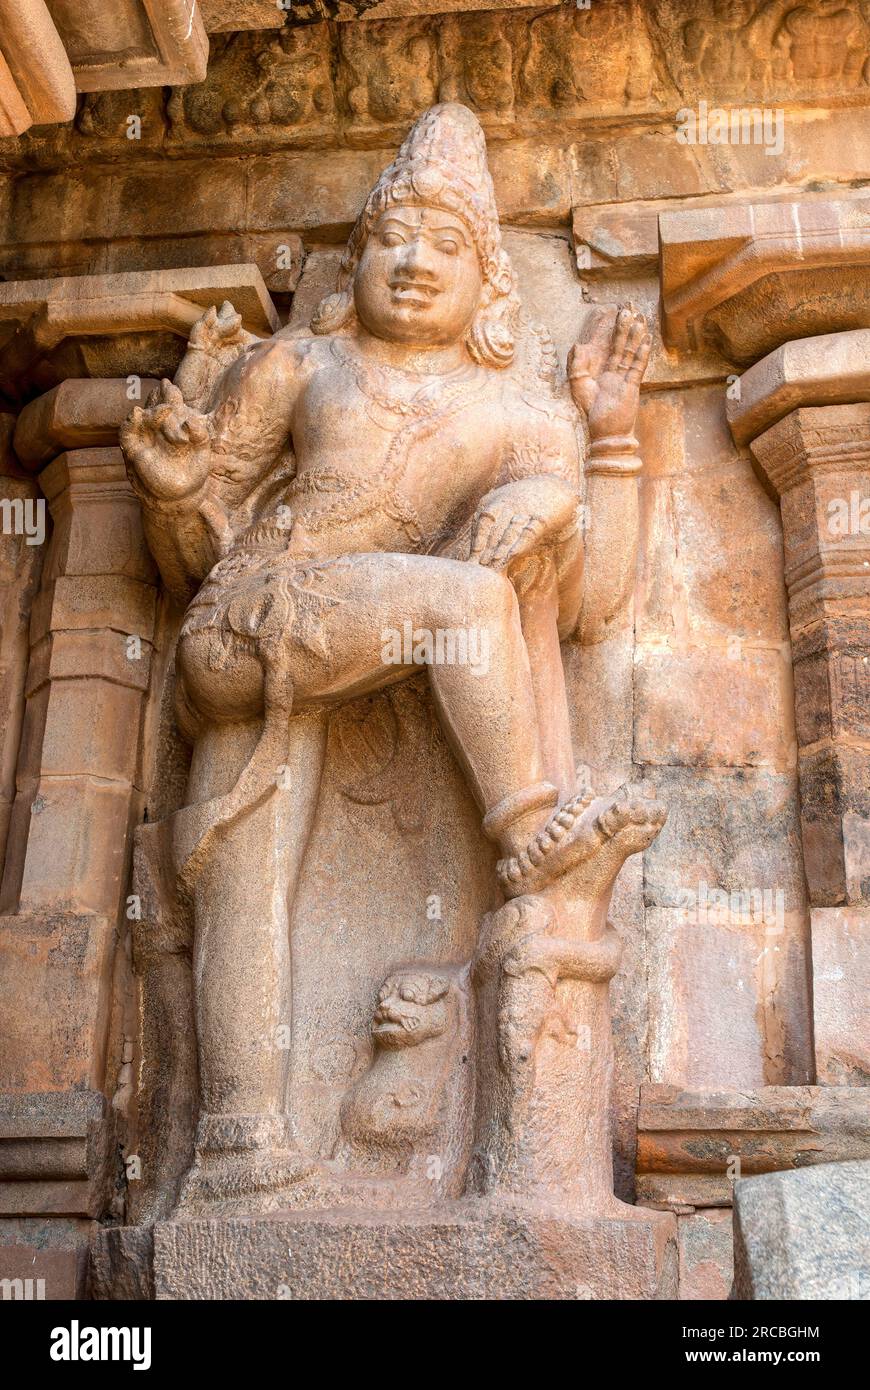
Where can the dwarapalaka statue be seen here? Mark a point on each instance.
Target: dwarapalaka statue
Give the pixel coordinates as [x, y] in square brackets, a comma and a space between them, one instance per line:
[416, 458]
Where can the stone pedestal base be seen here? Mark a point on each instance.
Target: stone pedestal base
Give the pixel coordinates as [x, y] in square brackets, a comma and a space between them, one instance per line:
[473, 1249]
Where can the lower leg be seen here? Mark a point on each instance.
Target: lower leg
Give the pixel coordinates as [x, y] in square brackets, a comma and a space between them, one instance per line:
[243, 901]
[491, 717]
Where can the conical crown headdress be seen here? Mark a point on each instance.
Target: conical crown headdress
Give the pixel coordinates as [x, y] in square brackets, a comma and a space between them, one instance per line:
[442, 163]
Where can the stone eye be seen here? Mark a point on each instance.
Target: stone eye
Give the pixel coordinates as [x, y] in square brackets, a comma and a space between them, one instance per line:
[449, 248]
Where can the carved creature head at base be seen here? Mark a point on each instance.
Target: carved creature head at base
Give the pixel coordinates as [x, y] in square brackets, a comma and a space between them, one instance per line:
[412, 1007]
[424, 264]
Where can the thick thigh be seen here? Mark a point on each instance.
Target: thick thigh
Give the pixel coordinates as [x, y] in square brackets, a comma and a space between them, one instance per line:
[341, 615]
[341, 651]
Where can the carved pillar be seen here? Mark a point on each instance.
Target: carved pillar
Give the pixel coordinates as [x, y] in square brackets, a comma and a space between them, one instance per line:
[818, 461]
[20, 565]
[65, 981]
[84, 691]
[804, 407]
[65, 875]
[65, 872]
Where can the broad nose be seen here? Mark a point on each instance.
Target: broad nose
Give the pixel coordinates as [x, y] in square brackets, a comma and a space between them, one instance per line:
[418, 258]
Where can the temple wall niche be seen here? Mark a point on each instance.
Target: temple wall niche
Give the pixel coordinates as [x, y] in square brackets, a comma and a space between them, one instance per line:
[245, 186]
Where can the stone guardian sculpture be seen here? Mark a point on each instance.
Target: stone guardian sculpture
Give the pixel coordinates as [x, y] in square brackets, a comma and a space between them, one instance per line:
[415, 458]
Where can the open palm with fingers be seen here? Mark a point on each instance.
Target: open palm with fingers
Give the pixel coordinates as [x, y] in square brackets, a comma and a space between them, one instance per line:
[605, 369]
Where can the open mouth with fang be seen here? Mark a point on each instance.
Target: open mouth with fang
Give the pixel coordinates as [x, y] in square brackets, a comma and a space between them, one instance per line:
[414, 292]
[388, 1022]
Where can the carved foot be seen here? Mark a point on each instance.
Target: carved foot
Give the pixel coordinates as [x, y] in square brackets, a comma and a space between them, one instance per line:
[244, 1184]
[586, 843]
[244, 1165]
[633, 819]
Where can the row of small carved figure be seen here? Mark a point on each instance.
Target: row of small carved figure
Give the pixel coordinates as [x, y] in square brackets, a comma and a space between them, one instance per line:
[553, 61]
[389, 71]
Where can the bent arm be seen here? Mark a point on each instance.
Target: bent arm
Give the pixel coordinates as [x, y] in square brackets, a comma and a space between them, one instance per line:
[202, 474]
[605, 373]
[556, 541]
[529, 523]
[542, 507]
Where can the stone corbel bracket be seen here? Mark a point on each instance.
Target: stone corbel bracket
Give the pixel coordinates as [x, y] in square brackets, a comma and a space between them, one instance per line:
[817, 461]
[831, 369]
[46, 313]
[165, 43]
[74, 415]
[744, 279]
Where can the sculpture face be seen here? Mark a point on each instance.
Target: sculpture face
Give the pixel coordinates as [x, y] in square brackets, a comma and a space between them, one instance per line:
[411, 1008]
[418, 280]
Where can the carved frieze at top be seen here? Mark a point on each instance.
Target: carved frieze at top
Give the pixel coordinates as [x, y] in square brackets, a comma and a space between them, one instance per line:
[748, 48]
[224, 16]
[361, 83]
[317, 80]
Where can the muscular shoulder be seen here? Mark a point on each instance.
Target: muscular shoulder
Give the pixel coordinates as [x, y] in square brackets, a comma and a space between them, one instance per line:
[280, 354]
[270, 370]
